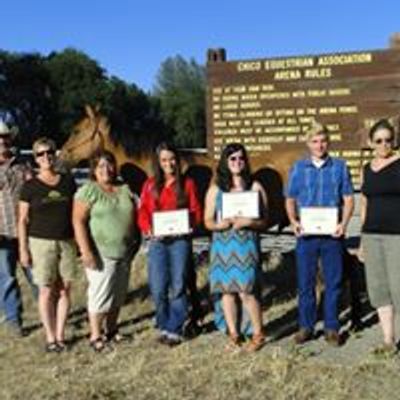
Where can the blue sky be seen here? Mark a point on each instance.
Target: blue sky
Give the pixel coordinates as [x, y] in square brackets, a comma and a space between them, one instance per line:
[131, 38]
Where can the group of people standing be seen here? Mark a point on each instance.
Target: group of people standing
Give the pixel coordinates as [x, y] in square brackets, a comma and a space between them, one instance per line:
[102, 218]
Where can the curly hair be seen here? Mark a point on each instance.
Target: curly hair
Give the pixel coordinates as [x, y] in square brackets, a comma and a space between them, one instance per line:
[159, 175]
[224, 179]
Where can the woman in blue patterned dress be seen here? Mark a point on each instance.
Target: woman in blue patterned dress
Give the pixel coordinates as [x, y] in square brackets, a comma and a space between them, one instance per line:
[234, 254]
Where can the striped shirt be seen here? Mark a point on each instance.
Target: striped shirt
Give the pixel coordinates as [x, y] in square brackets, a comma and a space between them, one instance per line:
[322, 186]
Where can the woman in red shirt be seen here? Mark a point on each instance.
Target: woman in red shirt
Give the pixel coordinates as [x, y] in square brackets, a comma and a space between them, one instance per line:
[168, 191]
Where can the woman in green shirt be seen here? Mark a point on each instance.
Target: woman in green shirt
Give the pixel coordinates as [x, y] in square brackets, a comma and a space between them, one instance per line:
[104, 225]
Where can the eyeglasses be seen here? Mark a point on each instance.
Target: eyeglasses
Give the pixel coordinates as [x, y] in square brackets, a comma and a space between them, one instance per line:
[236, 158]
[383, 140]
[47, 152]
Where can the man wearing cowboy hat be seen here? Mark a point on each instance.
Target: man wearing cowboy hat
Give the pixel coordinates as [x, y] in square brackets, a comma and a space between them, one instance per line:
[12, 176]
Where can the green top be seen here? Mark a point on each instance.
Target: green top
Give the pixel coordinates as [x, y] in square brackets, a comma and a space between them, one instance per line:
[111, 218]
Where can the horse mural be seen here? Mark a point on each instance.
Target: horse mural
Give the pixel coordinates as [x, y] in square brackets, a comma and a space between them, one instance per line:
[92, 133]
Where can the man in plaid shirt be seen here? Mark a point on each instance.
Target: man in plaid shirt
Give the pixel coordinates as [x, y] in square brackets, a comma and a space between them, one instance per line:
[12, 176]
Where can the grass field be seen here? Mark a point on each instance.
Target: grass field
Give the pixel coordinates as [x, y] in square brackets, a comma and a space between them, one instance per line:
[198, 369]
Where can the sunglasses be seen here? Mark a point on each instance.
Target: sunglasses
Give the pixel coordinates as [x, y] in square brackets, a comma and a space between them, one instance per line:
[236, 158]
[47, 152]
[383, 140]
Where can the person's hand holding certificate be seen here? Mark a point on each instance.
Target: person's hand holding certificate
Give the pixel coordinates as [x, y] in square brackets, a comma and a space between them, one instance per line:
[318, 220]
[171, 223]
[241, 205]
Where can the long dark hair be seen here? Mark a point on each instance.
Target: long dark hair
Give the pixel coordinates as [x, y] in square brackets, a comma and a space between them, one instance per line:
[97, 157]
[224, 179]
[159, 176]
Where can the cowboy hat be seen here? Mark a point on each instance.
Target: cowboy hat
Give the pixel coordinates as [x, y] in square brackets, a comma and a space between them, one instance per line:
[6, 130]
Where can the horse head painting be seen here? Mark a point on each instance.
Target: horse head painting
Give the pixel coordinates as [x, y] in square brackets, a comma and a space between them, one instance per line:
[92, 133]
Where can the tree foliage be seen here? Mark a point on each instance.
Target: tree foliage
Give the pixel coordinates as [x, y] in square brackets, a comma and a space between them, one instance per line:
[134, 117]
[180, 88]
[76, 80]
[26, 95]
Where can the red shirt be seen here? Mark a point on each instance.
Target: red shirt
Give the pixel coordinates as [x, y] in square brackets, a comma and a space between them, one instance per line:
[166, 202]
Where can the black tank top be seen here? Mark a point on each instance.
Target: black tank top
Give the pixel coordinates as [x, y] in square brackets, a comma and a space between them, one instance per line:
[382, 190]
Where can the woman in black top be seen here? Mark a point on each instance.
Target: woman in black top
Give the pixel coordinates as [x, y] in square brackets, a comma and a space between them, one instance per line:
[380, 216]
[46, 240]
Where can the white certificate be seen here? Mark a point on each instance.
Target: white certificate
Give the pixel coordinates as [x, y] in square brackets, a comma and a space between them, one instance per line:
[241, 204]
[170, 223]
[318, 220]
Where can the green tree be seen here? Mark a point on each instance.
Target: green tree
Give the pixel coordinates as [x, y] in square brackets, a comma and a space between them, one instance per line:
[134, 117]
[26, 95]
[76, 80]
[180, 88]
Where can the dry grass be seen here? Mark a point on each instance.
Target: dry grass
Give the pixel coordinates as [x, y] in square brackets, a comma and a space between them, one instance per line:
[198, 369]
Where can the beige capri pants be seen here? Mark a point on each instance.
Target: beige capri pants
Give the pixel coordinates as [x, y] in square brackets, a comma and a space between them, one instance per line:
[107, 284]
[382, 266]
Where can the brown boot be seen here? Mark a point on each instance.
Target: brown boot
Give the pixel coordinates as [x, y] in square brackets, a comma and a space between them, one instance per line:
[303, 335]
[333, 338]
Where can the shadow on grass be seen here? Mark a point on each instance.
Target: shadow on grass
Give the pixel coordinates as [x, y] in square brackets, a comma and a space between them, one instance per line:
[141, 293]
[278, 283]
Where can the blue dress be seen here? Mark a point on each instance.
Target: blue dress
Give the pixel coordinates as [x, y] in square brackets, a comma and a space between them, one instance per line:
[234, 268]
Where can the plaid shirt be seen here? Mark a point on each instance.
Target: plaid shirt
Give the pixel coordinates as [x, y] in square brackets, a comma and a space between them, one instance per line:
[324, 186]
[12, 176]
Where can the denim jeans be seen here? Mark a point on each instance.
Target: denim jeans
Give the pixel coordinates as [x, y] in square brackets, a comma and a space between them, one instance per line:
[308, 251]
[167, 280]
[10, 295]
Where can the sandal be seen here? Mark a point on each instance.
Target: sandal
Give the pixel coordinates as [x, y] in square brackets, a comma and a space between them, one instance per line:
[234, 342]
[386, 349]
[62, 346]
[52, 347]
[97, 345]
[256, 343]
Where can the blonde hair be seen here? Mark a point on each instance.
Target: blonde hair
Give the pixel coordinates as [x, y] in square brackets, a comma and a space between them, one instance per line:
[315, 129]
[43, 141]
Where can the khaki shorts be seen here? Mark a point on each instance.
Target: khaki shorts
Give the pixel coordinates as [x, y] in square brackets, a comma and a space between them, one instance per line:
[53, 259]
